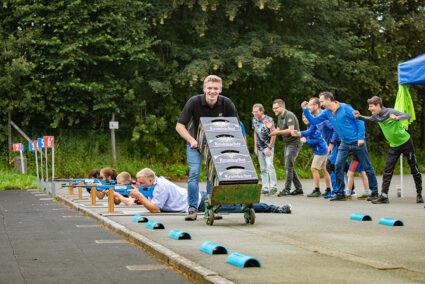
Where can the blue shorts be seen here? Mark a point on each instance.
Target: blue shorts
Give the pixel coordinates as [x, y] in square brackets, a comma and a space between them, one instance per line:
[356, 167]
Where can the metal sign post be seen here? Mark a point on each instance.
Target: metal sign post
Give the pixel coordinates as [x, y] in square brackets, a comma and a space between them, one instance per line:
[40, 145]
[20, 147]
[113, 125]
[33, 148]
[47, 170]
[49, 143]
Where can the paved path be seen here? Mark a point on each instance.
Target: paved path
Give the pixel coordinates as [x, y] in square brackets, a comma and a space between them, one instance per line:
[43, 241]
[316, 243]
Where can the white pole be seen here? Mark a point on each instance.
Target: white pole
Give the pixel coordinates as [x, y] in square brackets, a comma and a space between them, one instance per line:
[53, 173]
[22, 162]
[36, 167]
[47, 173]
[41, 167]
[401, 175]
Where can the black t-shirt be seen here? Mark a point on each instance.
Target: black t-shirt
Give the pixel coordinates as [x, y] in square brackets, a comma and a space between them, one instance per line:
[196, 107]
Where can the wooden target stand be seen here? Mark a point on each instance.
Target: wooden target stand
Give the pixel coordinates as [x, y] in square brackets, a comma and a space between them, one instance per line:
[111, 203]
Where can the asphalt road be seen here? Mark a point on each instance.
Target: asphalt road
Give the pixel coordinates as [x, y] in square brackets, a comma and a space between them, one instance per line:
[43, 241]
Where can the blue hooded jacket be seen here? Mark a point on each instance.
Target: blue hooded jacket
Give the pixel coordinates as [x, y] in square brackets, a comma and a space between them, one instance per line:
[349, 129]
[315, 140]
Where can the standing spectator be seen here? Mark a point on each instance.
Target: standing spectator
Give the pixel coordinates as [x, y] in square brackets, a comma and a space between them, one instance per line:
[287, 121]
[400, 143]
[264, 149]
[352, 133]
[208, 104]
[332, 140]
[313, 137]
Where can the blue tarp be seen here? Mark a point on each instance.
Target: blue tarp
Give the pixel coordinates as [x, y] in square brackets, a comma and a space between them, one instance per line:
[412, 71]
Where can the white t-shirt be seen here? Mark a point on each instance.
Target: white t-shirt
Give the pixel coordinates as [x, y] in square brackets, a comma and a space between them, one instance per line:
[168, 196]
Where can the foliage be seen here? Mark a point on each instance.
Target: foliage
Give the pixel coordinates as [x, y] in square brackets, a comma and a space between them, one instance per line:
[70, 64]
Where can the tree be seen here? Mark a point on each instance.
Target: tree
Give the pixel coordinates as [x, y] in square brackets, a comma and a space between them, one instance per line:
[86, 57]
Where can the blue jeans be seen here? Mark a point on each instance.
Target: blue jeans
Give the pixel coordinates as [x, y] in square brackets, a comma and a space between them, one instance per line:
[267, 170]
[344, 151]
[194, 159]
[236, 208]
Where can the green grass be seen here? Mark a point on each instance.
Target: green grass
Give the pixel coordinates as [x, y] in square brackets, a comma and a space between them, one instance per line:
[9, 179]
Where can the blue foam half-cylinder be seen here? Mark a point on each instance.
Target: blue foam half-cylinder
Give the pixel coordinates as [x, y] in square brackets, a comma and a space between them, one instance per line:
[360, 217]
[213, 248]
[391, 222]
[242, 260]
[179, 235]
[151, 224]
[140, 219]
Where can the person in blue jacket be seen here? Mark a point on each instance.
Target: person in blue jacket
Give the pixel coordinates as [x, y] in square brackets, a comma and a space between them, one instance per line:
[332, 140]
[313, 137]
[352, 134]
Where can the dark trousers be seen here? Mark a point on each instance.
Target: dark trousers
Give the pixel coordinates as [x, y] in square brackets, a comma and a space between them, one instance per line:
[408, 150]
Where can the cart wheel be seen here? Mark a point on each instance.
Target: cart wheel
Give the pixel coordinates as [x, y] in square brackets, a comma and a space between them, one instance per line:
[210, 219]
[251, 216]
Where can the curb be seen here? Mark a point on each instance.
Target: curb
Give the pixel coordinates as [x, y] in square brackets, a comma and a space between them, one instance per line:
[194, 270]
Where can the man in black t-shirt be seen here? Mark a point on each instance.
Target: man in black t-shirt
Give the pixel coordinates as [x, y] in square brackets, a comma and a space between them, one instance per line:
[209, 104]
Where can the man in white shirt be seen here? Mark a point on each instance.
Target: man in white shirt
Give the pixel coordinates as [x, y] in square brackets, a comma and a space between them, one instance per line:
[166, 196]
[169, 197]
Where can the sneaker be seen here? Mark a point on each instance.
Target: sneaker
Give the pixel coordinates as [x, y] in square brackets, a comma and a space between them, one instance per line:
[285, 209]
[338, 198]
[265, 192]
[273, 191]
[419, 199]
[296, 192]
[348, 194]
[315, 193]
[373, 196]
[283, 192]
[327, 191]
[381, 200]
[363, 197]
[191, 214]
[329, 195]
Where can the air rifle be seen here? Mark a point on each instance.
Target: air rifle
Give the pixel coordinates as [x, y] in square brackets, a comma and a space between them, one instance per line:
[88, 182]
[124, 189]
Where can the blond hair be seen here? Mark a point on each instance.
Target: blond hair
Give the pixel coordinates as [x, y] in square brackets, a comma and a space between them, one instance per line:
[125, 176]
[212, 78]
